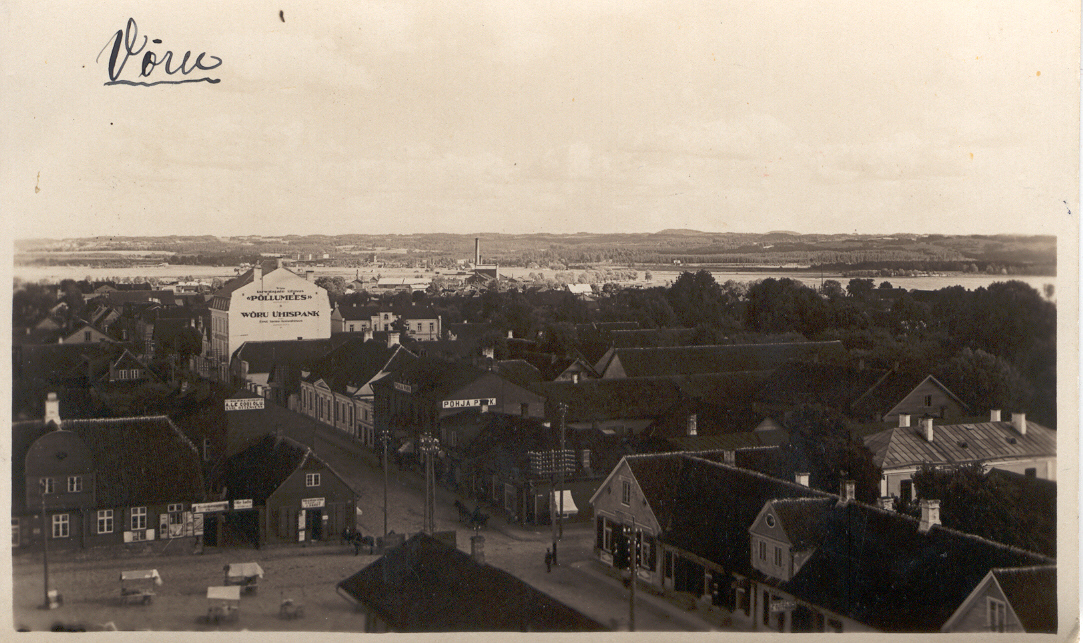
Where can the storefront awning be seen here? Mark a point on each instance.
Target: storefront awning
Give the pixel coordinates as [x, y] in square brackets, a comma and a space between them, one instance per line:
[569, 505]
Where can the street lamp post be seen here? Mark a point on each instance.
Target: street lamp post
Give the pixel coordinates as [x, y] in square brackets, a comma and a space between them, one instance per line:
[385, 438]
[429, 445]
[45, 538]
[562, 409]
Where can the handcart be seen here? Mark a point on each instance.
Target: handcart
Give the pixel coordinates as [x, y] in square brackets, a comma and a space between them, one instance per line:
[246, 575]
[138, 586]
[224, 603]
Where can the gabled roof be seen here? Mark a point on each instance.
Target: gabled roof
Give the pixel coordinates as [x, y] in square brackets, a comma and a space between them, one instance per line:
[427, 586]
[593, 400]
[257, 471]
[816, 383]
[518, 372]
[685, 360]
[1032, 592]
[347, 368]
[802, 519]
[878, 568]
[261, 356]
[886, 394]
[729, 441]
[139, 460]
[959, 444]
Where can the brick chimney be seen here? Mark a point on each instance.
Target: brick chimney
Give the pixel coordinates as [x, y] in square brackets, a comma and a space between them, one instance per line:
[366, 335]
[1019, 421]
[927, 429]
[257, 272]
[510, 335]
[887, 503]
[729, 457]
[487, 352]
[477, 548]
[846, 491]
[308, 274]
[691, 424]
[392, 338]
[930, 515]
[904, 421]
[994, 415]
[52, 409]
[801, 478]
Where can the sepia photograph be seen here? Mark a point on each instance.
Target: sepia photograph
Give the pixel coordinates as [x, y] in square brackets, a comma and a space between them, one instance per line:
[400, 316]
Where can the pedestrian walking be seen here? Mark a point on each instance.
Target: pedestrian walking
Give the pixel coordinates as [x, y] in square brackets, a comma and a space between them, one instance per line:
[548, 560]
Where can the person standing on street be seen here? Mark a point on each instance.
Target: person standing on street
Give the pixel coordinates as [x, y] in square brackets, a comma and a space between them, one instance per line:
[548, 560]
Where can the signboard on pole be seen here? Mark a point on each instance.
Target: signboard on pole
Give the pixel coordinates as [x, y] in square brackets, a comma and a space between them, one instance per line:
[242, 504]
[245, 404]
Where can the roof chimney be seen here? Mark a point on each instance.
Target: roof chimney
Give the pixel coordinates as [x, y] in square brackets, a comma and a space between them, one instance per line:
[846, 491]
[729, 457]
[392, 338]
[510, 335]
[801, 478]
[904, 421]
[366, 335]
[487, 352]
[257, 272]
[927, 429]
[308, 275]
[278, 262]
[52, 409]
[930, 515]
[691, 424]
[994, 415]
[1019, 420]
[887, 503]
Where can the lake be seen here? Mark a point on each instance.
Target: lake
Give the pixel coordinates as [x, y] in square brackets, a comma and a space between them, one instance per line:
[659, 277]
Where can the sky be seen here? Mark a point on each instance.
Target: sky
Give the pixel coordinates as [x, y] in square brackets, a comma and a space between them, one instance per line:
[381, 117]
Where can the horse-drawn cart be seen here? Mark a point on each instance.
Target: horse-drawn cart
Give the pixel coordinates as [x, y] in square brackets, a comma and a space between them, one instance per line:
[138, 586]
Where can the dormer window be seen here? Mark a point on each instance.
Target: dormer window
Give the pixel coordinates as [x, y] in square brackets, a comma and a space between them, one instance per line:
[770, 520]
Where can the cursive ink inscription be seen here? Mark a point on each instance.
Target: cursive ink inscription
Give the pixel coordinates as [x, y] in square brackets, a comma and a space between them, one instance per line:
[124, 43]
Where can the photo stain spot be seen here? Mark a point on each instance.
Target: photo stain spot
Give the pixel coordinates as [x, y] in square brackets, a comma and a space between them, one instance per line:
[36, 185]
[157, 41]
[971, 156]
[282, 15]
[1038, 74]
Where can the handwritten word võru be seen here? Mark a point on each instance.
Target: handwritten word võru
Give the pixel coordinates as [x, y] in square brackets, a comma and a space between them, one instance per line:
[124, 43]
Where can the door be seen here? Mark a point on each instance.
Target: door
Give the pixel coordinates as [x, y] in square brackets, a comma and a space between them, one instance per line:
[210, 529]
[314, 523]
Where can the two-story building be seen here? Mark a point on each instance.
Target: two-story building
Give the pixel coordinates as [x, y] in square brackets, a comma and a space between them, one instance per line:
[1019, 446]
[100, 482]
[419, 321]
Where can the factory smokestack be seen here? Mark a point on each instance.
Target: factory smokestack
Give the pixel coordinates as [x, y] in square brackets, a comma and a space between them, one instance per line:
[477, 251]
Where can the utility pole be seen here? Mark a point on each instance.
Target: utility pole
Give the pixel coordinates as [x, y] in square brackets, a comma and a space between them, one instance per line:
[633, 562]
[45, 539]
[385, 438]
[562, 408]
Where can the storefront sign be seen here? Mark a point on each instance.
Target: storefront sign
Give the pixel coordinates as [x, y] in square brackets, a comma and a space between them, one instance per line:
[462, 404]
[208, 507]
[242, 504]
[783, 606]
[245, 404]
[405, 388]
[312, 503]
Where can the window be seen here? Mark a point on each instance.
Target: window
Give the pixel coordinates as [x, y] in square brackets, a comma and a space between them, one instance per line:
[778, 557]
[174, 508]
[432, 327]
[105, 521]
[206, 449]
[763, 550]
[86, 336]
[312, 479]
[626, 492]
[139, 518]
[47, 485]
[75, 484]
[60, 526]
[997, 615]
[928, 400]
